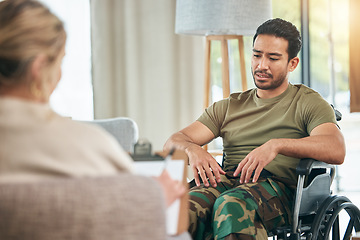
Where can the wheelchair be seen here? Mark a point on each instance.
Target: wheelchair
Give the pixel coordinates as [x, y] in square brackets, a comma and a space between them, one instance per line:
[316, 212]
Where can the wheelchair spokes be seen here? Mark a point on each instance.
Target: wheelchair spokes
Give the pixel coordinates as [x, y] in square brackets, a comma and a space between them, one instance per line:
[327, 219]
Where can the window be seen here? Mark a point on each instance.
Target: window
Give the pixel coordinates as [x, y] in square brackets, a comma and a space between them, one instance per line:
[329, 72]
[329, 55]
[73, 97]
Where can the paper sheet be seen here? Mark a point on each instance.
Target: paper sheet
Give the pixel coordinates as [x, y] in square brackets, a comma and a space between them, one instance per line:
[176, 171]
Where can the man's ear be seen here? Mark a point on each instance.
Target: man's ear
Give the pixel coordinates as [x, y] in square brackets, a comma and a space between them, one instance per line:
[37, 67]
[293, 64]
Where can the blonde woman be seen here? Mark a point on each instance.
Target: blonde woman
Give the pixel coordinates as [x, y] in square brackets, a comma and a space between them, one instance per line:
[36, 143]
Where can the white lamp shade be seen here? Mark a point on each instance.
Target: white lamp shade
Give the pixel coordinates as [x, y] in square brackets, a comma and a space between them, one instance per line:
[221, 17]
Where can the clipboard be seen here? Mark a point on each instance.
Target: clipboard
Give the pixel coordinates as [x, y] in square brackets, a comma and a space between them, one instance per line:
[177, 214]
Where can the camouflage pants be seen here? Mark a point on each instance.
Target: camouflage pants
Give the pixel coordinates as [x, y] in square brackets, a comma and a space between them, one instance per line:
[239, 211]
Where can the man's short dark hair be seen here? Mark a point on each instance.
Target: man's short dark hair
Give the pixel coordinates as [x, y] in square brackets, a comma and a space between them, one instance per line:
[282, 29]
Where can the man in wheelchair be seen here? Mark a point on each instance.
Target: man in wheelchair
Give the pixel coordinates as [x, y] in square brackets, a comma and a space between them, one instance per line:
[265, 132]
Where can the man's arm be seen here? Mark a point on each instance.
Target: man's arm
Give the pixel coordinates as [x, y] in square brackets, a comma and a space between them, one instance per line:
[190, 140]
[325, 143]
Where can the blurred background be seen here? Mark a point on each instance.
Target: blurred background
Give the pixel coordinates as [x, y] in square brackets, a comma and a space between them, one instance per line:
[168, 93]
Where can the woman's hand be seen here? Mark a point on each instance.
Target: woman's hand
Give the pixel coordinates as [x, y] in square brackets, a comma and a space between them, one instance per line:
[173, 189]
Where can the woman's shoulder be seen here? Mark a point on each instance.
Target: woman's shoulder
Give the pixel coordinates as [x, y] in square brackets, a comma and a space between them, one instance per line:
[97, 139]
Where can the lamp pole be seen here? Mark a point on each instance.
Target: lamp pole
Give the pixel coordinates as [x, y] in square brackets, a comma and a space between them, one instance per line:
[224, 39]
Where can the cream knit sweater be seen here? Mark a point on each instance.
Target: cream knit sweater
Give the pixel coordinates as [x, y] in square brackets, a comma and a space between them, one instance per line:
[37, 144]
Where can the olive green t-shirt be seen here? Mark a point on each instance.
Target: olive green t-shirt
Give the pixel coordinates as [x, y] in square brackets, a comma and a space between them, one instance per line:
[245, 121]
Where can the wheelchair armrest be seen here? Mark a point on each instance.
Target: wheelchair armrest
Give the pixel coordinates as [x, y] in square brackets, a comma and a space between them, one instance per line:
[304, 170]
[306, 165]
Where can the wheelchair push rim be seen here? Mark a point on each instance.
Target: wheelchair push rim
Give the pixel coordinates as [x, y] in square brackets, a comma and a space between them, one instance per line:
[327, 219]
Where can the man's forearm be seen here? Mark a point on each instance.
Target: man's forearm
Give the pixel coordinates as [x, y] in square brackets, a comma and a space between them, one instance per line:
[195, 135]
[325, 148]
[179, 141]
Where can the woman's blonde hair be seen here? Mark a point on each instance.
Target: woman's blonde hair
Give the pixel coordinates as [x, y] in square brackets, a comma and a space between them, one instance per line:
[27, 29]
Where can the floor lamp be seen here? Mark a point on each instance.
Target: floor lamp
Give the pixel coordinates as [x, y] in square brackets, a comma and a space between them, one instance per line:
[221, 20]
[224, 39]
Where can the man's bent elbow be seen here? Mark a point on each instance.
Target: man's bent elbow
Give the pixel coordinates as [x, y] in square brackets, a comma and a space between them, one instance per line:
[341, 156]
[339, 153]
[169, 144]
[178, 141]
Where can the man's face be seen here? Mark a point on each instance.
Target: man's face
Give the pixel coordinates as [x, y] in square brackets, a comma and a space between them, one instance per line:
[269, 63]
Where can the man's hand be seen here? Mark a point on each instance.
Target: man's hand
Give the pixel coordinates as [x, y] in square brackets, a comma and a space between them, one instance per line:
[256, 160]
[190, 140]
[204, 165]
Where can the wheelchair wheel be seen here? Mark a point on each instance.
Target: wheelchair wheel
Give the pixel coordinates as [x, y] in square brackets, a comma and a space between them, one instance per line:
[327, 219]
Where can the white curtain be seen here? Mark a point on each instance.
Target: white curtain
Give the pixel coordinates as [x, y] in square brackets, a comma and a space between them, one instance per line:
[141, 69]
